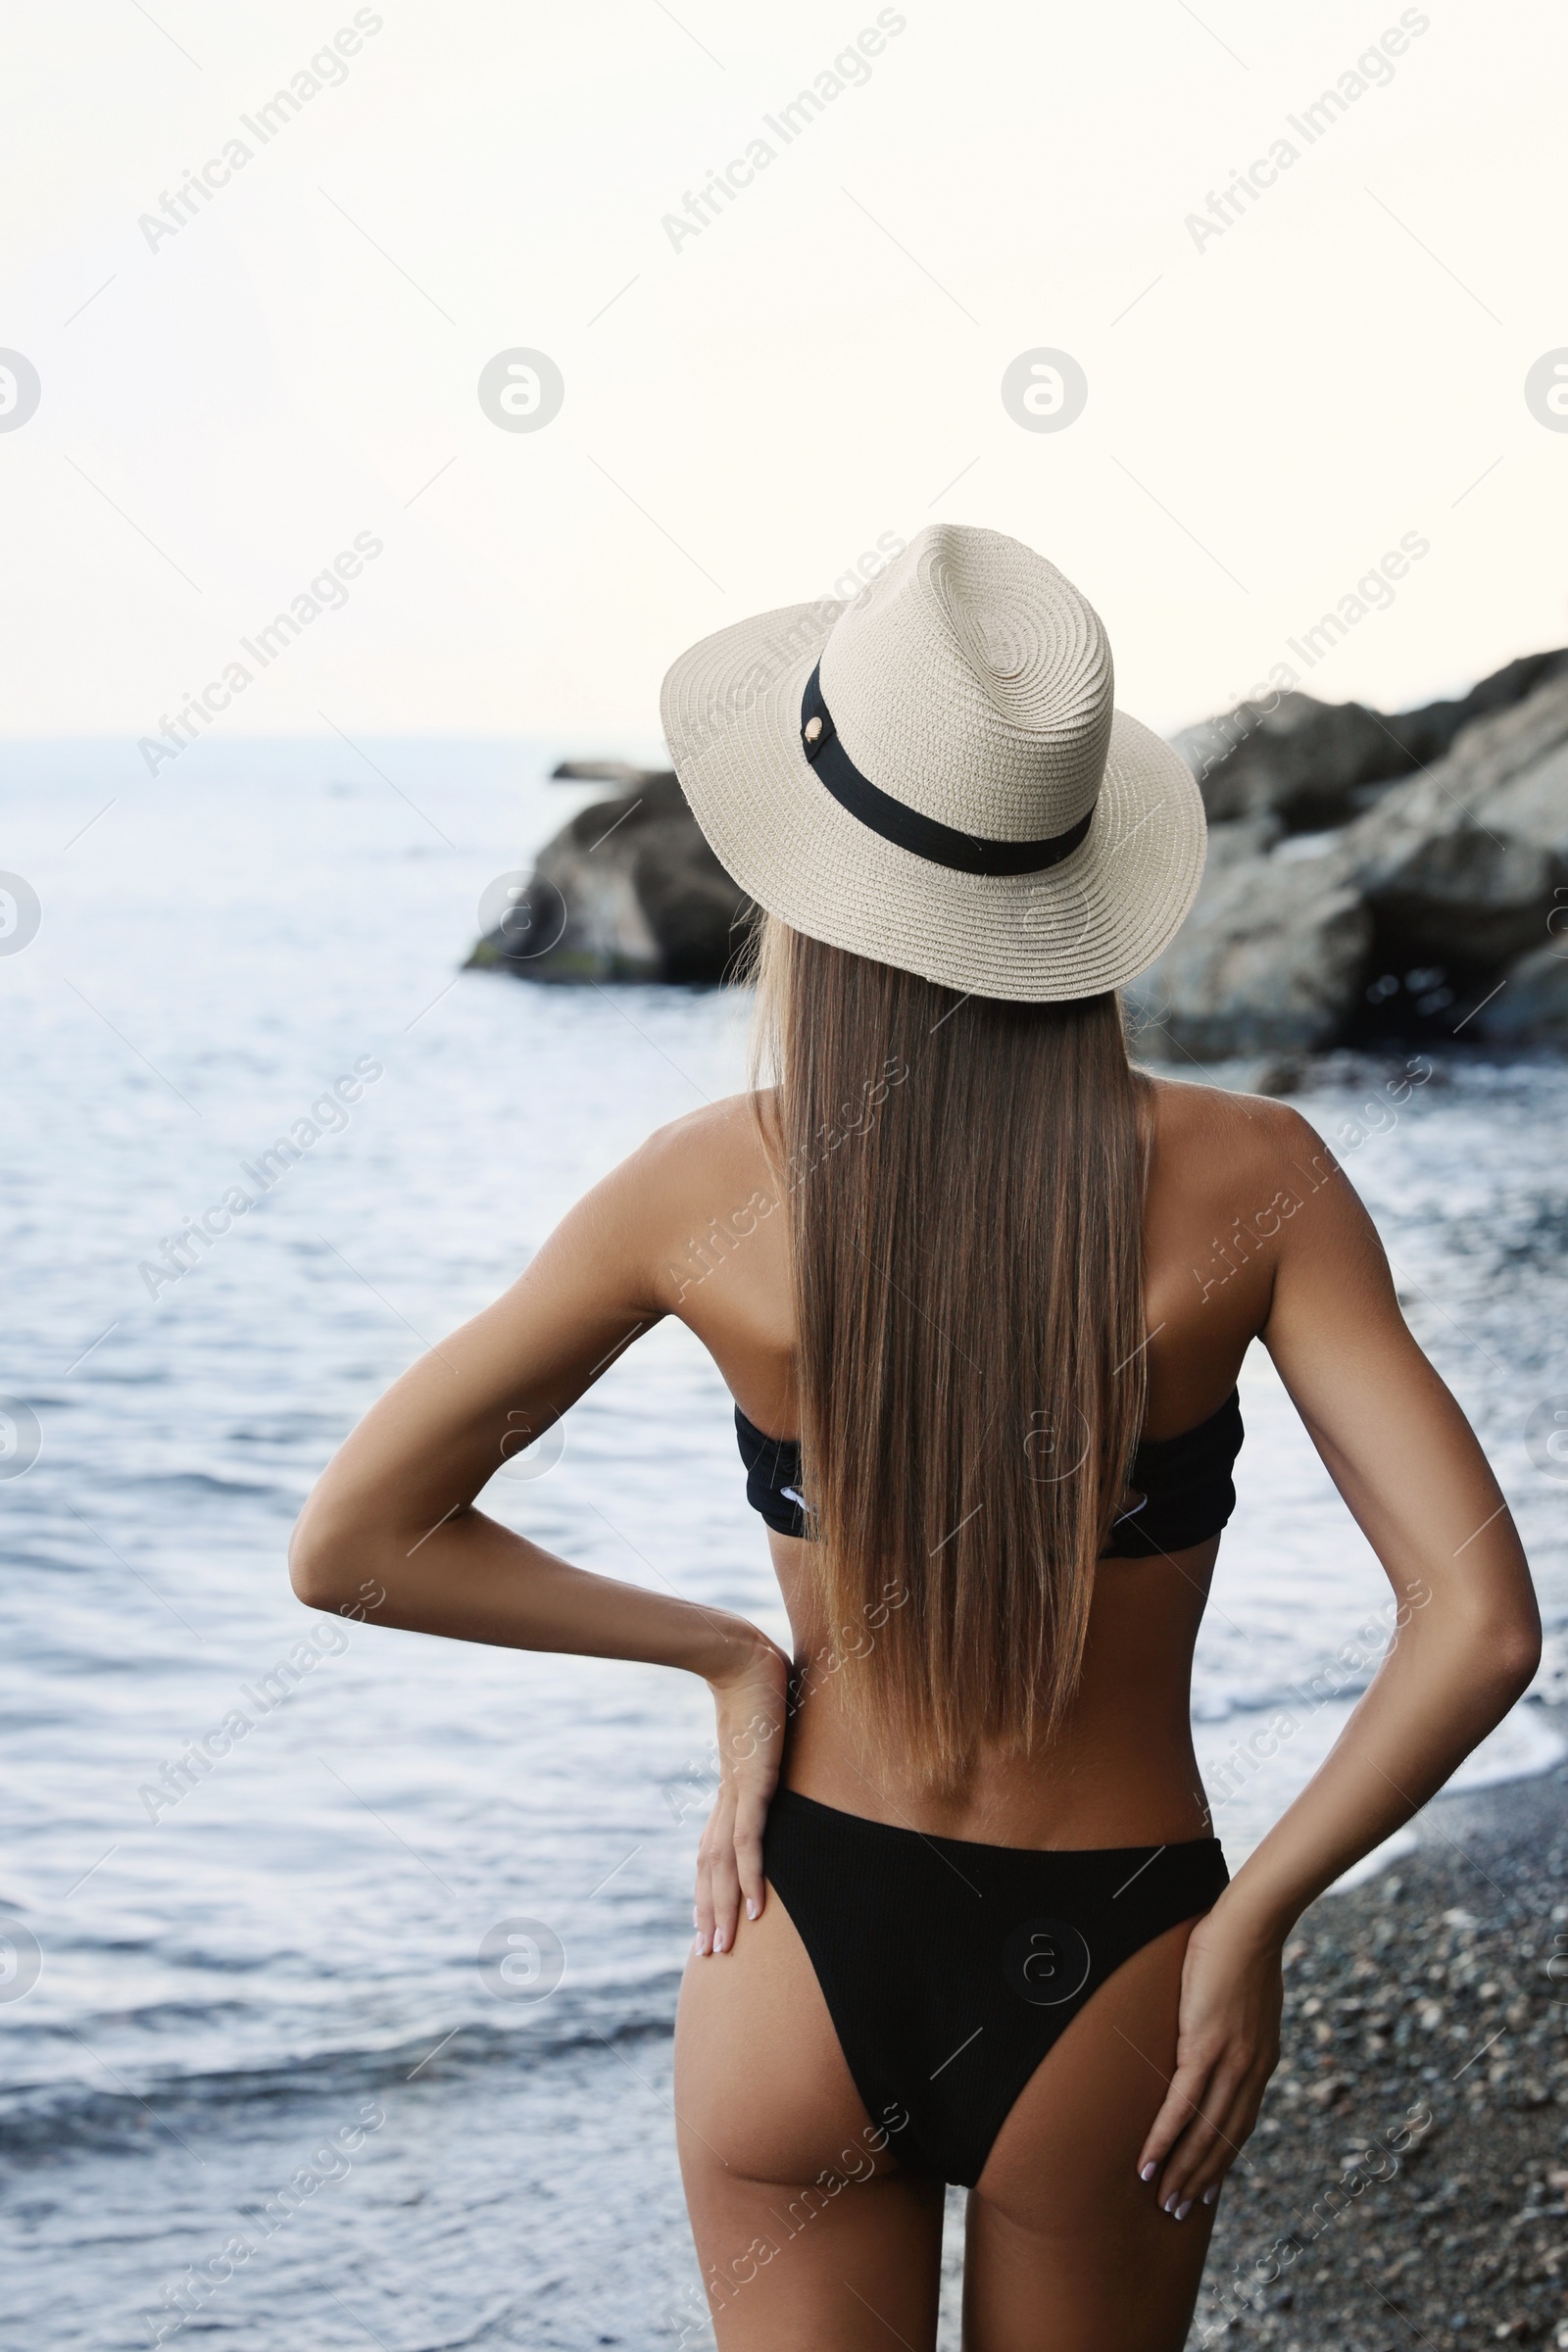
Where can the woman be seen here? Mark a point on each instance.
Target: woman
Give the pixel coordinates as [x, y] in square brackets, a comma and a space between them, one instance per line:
[982, 1293]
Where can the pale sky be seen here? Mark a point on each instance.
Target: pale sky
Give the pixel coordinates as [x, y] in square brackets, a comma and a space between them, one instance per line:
[1273, 404]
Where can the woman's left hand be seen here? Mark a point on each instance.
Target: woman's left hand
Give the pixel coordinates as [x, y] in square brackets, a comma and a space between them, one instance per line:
[1227, 2046]
[751, 1703]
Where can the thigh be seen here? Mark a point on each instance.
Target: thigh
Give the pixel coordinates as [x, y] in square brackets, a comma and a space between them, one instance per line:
[1066, 2249]
[810, 2236]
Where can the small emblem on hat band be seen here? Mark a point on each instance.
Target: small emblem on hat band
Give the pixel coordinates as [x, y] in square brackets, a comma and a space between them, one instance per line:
[909, 828]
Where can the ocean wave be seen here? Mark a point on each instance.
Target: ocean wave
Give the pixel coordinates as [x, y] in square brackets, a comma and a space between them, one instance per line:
[56, 2114]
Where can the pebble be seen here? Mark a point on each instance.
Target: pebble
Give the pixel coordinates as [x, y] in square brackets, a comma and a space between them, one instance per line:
[1408, 2179]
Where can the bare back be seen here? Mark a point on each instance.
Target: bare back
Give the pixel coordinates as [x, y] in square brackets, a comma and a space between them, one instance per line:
[1140, 2106]
[1124, 1772]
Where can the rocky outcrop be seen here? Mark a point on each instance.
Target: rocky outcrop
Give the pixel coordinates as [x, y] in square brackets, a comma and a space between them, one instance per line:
[628, 890]
[1370, 876]
[1267, 959]
[1530, 1008]
[1416, 917]
[1311, 765]
[1302, 763]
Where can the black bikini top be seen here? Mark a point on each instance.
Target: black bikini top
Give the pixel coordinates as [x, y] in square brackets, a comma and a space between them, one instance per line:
[1182, 1484]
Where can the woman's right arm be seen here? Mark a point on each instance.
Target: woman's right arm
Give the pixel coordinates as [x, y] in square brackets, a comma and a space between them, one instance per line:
[1466, 1645]
[391, 1533]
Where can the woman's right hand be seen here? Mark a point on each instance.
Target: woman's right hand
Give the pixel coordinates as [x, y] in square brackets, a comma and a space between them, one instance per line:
[751, 1701]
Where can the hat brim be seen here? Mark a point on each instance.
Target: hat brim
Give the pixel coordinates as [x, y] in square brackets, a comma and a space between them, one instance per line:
[731, 712]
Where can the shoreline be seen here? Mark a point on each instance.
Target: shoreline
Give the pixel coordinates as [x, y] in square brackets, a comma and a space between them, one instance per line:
[1406, 2188]
[1407, 2182]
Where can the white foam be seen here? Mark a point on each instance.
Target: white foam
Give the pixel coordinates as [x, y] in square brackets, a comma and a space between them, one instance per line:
[1254, 1768]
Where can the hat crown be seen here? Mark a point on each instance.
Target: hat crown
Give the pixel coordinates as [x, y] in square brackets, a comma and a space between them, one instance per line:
[973, 682]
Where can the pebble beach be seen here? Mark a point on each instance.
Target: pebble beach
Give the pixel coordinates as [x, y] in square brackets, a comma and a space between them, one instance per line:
[236, 1944]
[1407, 2184]
[1409, 2179]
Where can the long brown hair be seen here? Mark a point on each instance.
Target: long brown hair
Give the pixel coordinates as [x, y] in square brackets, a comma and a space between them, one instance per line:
[964, 1180]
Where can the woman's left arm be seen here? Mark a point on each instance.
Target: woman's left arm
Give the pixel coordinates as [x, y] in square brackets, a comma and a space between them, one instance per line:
[1465, 1645]
[393, 1514]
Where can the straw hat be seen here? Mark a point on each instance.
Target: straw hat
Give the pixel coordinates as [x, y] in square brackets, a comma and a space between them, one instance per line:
[933, 775]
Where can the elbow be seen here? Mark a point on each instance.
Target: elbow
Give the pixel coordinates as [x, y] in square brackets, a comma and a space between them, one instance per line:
[309, 1565]
[1502, 1653]
[1517, 1655]
[327, 1567]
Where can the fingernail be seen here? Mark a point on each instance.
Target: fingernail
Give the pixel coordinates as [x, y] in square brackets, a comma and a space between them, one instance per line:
[1211, 2192]
[1184, 2209]
[718, 1939]
[1149, 2171]
[750, 1906]
[700, 1942]
[1169, 2205]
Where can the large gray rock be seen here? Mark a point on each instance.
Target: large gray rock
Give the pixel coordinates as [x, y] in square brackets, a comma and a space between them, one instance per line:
[1299, 761]
[628, 890]
[1427, 907]
[1273, 956]
[1428, 898]
[1427, 733]
[1313, 765]
[1530, 1006]
[1461, 864]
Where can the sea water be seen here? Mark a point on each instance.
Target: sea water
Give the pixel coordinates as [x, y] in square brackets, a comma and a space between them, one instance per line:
[358, 2031]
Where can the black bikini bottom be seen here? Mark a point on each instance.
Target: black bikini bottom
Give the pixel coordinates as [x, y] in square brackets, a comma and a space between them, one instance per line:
[949, 1968]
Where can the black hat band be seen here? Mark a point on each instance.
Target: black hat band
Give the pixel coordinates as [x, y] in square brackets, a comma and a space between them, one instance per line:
[908, 828]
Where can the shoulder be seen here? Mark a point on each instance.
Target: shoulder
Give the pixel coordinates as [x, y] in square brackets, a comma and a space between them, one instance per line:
[703, 1186]
[1241, 1188]
[709, 1149]
[1218, 1141]
[635, 1228]
[709, 1165]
